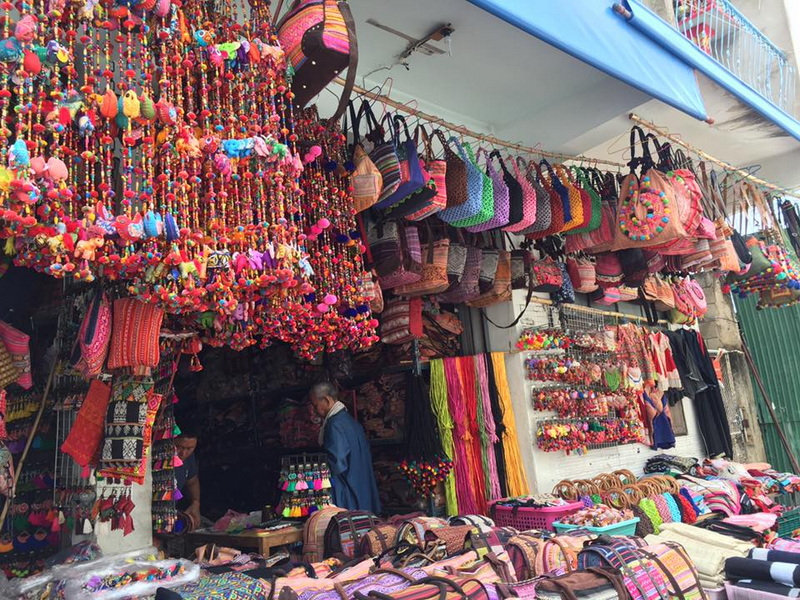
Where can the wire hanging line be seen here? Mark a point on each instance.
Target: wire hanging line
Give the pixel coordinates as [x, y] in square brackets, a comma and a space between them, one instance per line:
[490, 139]
[706, 156]
[495, 141]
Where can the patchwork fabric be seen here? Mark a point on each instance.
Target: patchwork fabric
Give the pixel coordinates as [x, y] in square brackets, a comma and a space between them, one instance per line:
[18, 345]
[228, 586]
[87, 431]
[125, 422]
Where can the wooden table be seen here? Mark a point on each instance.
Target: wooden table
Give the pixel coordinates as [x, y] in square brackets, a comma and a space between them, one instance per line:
[262, 540]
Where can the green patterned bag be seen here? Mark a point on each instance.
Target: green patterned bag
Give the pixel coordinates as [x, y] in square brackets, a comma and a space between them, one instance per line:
[487, 198]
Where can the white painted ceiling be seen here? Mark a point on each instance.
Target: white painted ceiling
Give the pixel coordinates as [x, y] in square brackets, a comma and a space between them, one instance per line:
[503, 81]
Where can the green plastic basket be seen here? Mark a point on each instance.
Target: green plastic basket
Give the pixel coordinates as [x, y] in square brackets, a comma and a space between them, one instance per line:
[788, 522]
[622, 528]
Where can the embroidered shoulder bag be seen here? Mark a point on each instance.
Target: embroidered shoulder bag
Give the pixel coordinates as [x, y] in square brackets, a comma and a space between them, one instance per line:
[414, 191]
[436, 170]
[366, 179]
[383, 155]
[319, 38]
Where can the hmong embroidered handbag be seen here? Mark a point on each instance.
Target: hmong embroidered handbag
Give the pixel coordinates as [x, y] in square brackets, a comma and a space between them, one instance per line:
[319, 38]
[435, 588]
[345, 530]
[415, 190]
[94, 336]
[314, 532]
[366, 179]
[546, 275]
[436, 170]
[467, 287]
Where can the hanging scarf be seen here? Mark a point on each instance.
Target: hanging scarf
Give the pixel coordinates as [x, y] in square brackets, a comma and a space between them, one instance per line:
[445, 425]
[489, 432]
[497, 416]
[466, 373]
[335, 410]
[464, 485]
[517, 482]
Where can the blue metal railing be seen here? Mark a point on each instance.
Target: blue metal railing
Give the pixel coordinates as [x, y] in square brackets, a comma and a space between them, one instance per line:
[721, 30]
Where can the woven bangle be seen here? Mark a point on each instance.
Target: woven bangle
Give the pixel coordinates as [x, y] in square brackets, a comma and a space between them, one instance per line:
[674, 510]
[649, 508]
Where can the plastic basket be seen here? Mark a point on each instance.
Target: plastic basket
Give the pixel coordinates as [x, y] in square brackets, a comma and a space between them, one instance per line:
[737, 593]
[622, 528]
[526, 518]
[716, 593]
[788, 522]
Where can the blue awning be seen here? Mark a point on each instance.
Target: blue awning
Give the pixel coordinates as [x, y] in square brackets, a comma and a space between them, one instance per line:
[655, 29]
[591, 32]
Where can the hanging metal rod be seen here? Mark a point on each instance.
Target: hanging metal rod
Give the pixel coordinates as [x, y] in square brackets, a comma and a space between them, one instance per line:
[706, 156]
[490, 139]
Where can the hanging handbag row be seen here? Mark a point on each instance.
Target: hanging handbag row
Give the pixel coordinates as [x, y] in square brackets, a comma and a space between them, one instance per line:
[443, 220]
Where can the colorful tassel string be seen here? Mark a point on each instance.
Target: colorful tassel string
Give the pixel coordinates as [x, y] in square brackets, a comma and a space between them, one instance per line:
[517, 482]
[488, 431]
[464, 489]
[466, 374]
[438, 392]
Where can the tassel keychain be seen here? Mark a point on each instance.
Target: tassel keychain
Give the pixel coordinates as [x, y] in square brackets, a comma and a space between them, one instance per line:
[317, 480]
[326, 479]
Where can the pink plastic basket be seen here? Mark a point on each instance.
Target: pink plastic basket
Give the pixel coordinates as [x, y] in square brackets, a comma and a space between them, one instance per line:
[523, 518]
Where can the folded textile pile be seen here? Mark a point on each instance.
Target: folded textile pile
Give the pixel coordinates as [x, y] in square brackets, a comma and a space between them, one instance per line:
[708, 550]
[670, 464]
[769, 571]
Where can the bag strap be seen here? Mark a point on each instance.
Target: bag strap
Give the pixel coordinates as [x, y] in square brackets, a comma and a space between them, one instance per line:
[376, 132]
[352, 66]
[398, 119]
[355, 117]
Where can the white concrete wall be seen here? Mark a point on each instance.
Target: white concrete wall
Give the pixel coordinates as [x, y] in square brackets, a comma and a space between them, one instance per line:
[113, 542]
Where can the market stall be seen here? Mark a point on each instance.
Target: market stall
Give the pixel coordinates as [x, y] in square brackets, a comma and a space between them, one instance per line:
[221, 251]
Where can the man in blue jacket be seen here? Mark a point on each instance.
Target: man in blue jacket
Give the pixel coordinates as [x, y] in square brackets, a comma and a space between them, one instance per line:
[348, 451]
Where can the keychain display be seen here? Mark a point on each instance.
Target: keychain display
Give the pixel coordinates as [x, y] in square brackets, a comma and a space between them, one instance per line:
[576, 435]
[550, 339]
[305, 481]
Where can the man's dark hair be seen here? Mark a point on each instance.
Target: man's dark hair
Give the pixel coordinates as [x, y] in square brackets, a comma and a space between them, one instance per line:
[323, 388]
[189, 430]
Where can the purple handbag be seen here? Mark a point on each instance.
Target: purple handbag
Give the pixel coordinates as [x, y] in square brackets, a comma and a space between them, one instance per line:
[467, 288]
[501, 197]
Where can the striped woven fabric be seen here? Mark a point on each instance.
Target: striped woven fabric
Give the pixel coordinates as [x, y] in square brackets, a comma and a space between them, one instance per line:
[335, 36]
[384, 155]
[294, 26]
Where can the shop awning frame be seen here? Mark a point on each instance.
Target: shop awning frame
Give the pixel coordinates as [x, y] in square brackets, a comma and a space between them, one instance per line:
[591, 32]
[657, 30]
